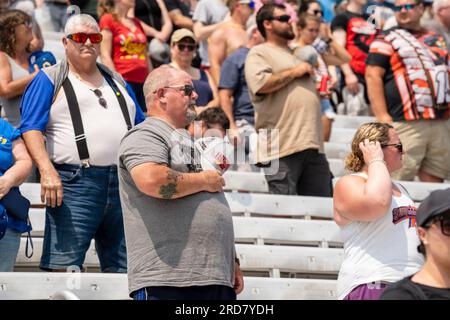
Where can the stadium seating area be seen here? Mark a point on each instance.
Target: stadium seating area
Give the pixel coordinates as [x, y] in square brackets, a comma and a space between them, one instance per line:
[289, 246]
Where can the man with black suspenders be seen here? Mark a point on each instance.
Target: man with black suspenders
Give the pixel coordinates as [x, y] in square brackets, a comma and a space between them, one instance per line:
[84, 109]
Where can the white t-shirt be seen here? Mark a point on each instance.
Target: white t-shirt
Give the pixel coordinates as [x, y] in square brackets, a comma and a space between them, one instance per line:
[381, 250]
[104, 127]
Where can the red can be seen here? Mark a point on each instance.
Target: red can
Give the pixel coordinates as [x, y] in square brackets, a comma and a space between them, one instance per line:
[323, 89]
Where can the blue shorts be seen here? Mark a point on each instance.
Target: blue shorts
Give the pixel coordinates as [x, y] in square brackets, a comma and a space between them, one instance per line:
[327, 109]
[90, 210]
[212, 292]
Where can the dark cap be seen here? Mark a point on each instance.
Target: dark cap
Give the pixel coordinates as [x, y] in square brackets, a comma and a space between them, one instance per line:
[436, 203]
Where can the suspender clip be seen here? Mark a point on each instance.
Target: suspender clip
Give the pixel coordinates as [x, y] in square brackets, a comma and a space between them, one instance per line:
[85, 163]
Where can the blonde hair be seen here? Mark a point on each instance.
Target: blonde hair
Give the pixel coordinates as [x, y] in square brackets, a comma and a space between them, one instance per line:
[104, 7]
[374, 131]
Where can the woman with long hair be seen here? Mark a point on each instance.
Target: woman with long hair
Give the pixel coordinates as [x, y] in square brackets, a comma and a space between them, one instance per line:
[15, 50]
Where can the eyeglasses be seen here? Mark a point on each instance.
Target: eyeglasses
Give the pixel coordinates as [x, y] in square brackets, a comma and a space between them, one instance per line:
[188, 46]
[101, 100]
[28, 24]
[398, 146]
[282, 18]
[444, 222]
[317, 12]
[82, 37]
[408, 7]
[187, 89]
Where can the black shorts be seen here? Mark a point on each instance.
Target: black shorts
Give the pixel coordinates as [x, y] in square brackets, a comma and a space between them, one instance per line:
[303, 173]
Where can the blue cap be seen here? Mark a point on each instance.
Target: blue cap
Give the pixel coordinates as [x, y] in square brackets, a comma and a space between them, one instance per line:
[42, 59]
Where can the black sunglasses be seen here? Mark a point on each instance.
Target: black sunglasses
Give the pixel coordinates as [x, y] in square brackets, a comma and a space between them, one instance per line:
[408, 7]
[398, 146]
[282, 18]
[101, 100]
[189, 47]
[444, 222]
[187, 89]
[317, 11]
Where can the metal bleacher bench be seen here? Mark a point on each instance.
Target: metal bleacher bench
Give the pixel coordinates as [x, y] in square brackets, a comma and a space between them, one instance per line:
[351, 122]
[284, 253]
[92, 286]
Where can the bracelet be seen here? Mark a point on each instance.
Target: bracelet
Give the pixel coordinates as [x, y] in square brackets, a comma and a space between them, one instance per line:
[376, 160]
[237, 261]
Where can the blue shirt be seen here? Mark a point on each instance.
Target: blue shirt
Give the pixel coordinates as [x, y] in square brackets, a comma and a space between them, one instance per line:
[203, 89]
[232, 77]
[7, 135]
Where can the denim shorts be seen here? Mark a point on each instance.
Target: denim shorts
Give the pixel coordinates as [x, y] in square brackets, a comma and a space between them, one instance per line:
[90, 210]
[9, 246]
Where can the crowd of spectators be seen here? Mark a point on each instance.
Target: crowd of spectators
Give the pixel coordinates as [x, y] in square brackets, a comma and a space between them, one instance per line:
[269, 75]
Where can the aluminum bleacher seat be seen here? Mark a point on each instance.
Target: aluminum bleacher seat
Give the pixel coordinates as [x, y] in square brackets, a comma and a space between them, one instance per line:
[351, 122]
[337, 167]
[245, 181]
[258, 288]
[342, 135]
[107, 286]
[289, 259]
[255, 230]
[43, 285]
[268, 259]
[286, 231]
[274, 205]
[336, 150]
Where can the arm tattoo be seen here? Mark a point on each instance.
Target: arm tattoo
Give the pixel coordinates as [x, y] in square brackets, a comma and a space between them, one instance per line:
[167, 191]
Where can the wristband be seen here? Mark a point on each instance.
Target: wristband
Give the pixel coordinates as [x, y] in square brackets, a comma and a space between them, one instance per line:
[376, 160]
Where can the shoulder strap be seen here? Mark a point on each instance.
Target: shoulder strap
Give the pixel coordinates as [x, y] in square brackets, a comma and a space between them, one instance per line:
[120, 98]
[75, 115]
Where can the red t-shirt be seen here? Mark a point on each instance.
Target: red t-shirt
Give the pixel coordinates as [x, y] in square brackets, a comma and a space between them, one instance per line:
[129, 49]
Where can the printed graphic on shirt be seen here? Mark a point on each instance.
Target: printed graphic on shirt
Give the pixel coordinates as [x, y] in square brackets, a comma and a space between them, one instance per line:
[420, 74]
[405, 212]
[133, 45]
[360, 34]
[3, 140]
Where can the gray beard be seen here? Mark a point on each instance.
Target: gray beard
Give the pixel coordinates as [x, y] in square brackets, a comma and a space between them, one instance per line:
[191, 115]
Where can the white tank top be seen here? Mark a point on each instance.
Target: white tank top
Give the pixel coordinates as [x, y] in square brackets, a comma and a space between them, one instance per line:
[381, 250]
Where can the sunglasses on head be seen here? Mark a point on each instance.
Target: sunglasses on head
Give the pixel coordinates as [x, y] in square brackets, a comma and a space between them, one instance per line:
[282, 18]
[82, 37]
[188, 46]
[187, 89]
[101, 100]
[405, 6]
[398, 146]
[444, 221]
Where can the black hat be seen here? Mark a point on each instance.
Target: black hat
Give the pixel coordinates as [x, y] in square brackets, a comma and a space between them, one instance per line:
[436, 203]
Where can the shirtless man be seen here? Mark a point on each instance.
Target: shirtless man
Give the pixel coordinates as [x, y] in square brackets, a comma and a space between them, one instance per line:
[230, 36]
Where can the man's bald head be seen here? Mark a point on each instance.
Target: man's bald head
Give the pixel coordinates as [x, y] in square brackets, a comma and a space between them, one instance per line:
[161, 77]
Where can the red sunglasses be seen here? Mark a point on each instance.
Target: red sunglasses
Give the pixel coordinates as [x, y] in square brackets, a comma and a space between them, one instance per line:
[82, 37]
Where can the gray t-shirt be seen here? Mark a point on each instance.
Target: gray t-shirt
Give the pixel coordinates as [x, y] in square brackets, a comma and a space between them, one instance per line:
[177, 242]
[209, 12]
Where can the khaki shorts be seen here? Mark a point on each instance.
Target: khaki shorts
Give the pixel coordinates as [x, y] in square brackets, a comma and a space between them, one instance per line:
[427, 148]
